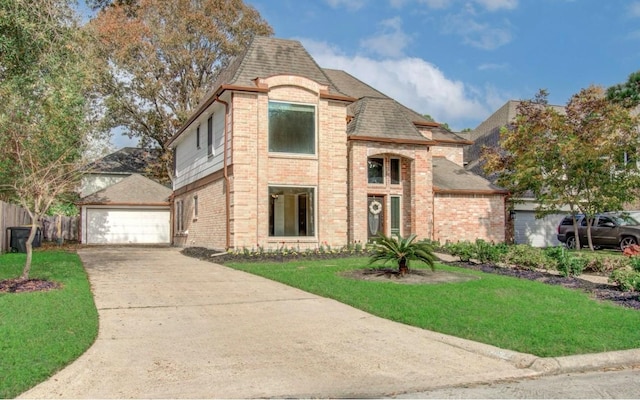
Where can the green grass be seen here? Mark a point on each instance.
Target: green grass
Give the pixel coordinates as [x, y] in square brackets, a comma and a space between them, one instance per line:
[509, 313]
[41, 332]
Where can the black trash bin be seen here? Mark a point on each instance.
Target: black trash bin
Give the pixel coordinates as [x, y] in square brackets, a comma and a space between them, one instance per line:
[19, 236]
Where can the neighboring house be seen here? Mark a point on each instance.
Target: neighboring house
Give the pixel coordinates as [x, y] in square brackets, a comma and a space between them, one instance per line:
[285, 153]
[118, 205]
[522, 225]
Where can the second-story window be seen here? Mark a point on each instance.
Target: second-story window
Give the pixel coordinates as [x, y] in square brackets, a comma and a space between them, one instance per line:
[395, 171]
[292, 128]
[376, 170]
[210, 136]
[198, 137]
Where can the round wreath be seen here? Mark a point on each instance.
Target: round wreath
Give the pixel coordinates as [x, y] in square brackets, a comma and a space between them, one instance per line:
[375, 207]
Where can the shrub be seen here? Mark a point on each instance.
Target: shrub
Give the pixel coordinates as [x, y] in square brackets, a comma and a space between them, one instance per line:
[465, 250]
[489, 252]
[480, 250]
[634, 262]
[525, 256]
[567, 263]
[626, 279]
[401, 251]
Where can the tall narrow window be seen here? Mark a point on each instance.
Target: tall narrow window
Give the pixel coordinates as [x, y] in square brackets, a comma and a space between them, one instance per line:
[291, 211]
[195, 207]
[376, 170]
[179, 217]
[395, 171]
[198, 137]
[174, 163]
[395, 216]
[292, 128]
[210, 136]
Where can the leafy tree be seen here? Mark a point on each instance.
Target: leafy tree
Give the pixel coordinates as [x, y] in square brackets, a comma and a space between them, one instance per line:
[401, 251]
[577, 158]
[627, 93]
[161, 58]
[43, 116]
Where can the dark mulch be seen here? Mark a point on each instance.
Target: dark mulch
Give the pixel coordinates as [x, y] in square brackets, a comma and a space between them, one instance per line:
[29, 285]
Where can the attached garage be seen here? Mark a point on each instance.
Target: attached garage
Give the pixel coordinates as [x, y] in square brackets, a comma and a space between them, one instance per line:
[132, 211]
[536, 232]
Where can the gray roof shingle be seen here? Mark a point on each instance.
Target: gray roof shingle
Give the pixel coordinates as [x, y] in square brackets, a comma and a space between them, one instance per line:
[449, 176]
[134, 189]
[128, 160]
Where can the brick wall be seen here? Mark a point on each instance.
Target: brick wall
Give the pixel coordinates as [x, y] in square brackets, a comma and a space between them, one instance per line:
[469, 217]
[452, 152]
[255, 170]
[415, 188]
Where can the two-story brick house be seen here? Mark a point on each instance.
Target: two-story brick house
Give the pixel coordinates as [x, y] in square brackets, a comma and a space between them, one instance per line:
[285, 153]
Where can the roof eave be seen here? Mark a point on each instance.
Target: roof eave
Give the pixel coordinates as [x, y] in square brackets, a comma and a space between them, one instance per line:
[210, 101]
[392, 140]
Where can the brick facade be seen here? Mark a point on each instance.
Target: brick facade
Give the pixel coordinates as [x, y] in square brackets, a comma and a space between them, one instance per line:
[469, 217]
[338, 175]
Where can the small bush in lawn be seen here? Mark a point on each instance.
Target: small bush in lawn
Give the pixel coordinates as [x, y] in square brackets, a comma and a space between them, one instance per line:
[465, 250]
[634, 262]
[626, 279]
[566, 262]
[525, 256]
[489, 252]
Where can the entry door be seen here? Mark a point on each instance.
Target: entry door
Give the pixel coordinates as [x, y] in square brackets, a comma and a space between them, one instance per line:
[375, 216]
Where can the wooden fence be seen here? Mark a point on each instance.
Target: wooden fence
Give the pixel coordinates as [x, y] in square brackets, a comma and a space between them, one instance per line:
[53, 227]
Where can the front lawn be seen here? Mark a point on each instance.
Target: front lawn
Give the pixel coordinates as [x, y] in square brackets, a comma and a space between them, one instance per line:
[41, 332]
[509, 313]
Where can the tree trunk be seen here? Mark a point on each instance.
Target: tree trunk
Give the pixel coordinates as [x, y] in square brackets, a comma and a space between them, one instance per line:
[403, 269]
[29, 246]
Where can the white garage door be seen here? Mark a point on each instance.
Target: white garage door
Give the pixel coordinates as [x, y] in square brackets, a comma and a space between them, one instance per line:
[124, 226]
[536, 232]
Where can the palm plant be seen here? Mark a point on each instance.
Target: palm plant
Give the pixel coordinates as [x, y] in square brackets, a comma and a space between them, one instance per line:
[401, 251]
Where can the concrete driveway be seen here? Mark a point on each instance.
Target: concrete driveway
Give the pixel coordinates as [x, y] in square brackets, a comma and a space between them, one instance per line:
[176, 327]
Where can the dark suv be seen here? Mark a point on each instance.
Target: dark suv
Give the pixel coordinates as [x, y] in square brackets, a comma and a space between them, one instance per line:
[613, 230]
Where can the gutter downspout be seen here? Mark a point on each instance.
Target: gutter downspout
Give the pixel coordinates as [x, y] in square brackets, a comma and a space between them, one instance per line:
[226, 173]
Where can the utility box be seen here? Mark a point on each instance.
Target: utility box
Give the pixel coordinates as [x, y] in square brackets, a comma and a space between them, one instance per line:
[18, 238]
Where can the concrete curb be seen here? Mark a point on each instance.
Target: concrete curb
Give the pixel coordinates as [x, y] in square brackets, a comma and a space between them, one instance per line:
[587, 362]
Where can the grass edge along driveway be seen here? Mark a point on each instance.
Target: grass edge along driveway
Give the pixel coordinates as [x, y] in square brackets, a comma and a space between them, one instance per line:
[42, 332]
[510, 313]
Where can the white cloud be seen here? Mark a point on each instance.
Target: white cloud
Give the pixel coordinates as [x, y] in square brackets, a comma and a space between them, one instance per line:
[494, 5]
[413, 82]
[351, 5]
[486, 36]
[391, 42]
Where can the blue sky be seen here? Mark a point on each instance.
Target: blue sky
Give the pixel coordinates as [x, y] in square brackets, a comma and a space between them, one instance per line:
[460, 60]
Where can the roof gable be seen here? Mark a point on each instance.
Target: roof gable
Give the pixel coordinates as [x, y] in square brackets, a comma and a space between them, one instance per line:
[128, 160]
[134, 189]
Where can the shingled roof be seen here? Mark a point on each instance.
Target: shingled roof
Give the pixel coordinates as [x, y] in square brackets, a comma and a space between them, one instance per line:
[267, 56]
[132, 190]
[128, 160]
[451, 177]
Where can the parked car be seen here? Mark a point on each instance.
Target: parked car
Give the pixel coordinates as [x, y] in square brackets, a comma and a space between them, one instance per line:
[611, 230]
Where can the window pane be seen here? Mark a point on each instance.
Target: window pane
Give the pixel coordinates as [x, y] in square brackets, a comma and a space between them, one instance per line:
[376, 170]
[395, 216]
[292, 128]
[210, 135]
[395, 171]
[291, 211]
